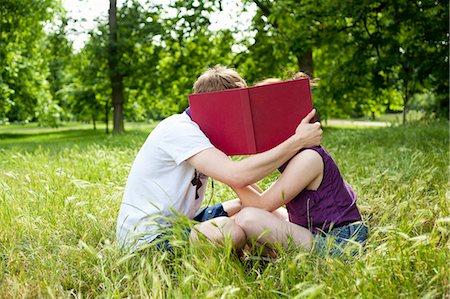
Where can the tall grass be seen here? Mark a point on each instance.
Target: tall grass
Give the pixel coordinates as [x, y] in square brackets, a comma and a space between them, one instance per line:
[60, 192]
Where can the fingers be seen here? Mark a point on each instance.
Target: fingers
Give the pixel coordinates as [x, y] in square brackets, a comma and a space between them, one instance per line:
[317, 125]
[309, 117]
[317, 128]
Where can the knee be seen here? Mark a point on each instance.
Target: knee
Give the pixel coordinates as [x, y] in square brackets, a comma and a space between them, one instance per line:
[218, 229]
[248, 217]
[236, 233]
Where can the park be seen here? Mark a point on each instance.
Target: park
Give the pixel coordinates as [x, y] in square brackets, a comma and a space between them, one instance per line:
[73, 120]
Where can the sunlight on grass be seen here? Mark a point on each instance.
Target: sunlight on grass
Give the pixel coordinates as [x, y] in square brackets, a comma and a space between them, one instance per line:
[60, 194]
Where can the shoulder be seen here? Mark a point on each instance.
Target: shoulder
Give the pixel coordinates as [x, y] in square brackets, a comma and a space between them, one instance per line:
[179, 124]
[314, 154]
[181, 138]
[181, 118]
[317, 153]
[307, 159]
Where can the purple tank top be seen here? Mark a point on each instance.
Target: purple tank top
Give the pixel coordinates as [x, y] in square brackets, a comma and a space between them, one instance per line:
[332, 204]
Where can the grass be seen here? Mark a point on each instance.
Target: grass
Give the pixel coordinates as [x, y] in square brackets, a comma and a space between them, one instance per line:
[60, 192]
[397, 118]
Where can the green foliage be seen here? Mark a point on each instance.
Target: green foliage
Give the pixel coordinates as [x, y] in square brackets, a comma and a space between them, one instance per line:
[160, 58]
[189, 48]
[139, 27]
[388, 47]
[60, 53]
[366, 53]
[371, 56]
[23, 64]
[88, 94]
[61, 190]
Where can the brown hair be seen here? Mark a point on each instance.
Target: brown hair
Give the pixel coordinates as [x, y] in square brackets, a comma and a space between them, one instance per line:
[218, 77]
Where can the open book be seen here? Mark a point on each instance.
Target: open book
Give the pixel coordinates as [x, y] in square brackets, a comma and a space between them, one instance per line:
[251, 120]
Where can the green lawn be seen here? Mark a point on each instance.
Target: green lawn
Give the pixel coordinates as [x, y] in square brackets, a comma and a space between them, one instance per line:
[60, 192]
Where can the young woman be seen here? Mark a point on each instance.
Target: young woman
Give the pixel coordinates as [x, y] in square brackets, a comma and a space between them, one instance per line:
[320, 205]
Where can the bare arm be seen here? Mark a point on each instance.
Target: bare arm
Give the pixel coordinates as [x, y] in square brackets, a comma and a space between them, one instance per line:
[237, 174]
[304, 170]
[256, 187]
[233, 206]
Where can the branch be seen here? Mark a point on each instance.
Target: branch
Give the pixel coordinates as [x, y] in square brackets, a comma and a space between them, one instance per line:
[371, 38]
[266, 11]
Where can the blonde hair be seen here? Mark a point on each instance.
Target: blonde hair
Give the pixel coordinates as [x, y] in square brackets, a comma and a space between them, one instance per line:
[297, 76]
[301, 75]
[268, 81]
[218, 77]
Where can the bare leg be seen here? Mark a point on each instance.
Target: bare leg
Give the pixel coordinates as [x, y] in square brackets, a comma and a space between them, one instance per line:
[281, 213]
[232, 206]
[217, 229]
[267, 228]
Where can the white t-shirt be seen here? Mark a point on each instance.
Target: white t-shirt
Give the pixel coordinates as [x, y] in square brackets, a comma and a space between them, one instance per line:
[160, 180]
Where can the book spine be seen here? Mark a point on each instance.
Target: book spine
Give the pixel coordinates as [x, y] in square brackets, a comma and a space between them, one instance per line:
[248, 121]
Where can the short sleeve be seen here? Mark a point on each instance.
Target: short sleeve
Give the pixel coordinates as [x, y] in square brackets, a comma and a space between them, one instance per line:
[183, 140]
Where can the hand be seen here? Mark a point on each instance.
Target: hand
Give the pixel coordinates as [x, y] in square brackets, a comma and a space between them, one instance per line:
[309, 134]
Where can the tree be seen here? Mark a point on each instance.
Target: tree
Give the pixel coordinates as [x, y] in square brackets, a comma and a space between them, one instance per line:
[416, 46]
[116, 77]
[60, 56]
[398, 46]
[88, 93]
[140, 23]
[24, 89]
[370, 56]
[286, 36]
[189, 47]
[366, 53]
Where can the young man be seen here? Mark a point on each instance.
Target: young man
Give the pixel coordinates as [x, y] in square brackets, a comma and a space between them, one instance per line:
[171, 170]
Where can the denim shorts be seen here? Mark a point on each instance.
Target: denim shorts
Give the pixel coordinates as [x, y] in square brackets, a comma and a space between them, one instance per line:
[209, 213]
[339, 241]
[162, 241]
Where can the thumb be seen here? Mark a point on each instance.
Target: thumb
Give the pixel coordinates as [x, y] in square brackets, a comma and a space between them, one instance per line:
[309, 117]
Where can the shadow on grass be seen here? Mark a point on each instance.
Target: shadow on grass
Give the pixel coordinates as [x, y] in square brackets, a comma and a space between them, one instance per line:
[59, 140]
[419, 137]
[45, 135]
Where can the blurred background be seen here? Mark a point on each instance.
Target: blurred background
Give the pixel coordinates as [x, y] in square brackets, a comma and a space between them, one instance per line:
[133, 61]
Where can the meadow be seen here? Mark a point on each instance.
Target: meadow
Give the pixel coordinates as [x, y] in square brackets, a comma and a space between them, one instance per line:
[60, 192]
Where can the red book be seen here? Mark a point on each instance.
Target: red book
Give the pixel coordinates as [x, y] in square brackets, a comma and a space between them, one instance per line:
[251, 120]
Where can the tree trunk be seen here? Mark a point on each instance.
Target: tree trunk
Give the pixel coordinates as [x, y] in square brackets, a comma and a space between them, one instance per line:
[94, 122]
[107, 117]
[305, 63]
[115, 77]
[407, 94]
[117, 95]
[405, 102]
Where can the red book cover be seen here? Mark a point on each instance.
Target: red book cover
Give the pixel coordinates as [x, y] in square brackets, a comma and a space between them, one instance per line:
[251, 120]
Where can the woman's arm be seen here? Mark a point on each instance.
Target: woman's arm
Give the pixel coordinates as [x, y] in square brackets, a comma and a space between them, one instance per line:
[256, 187]
[237, 174]
[305, 170]
[234, 205]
